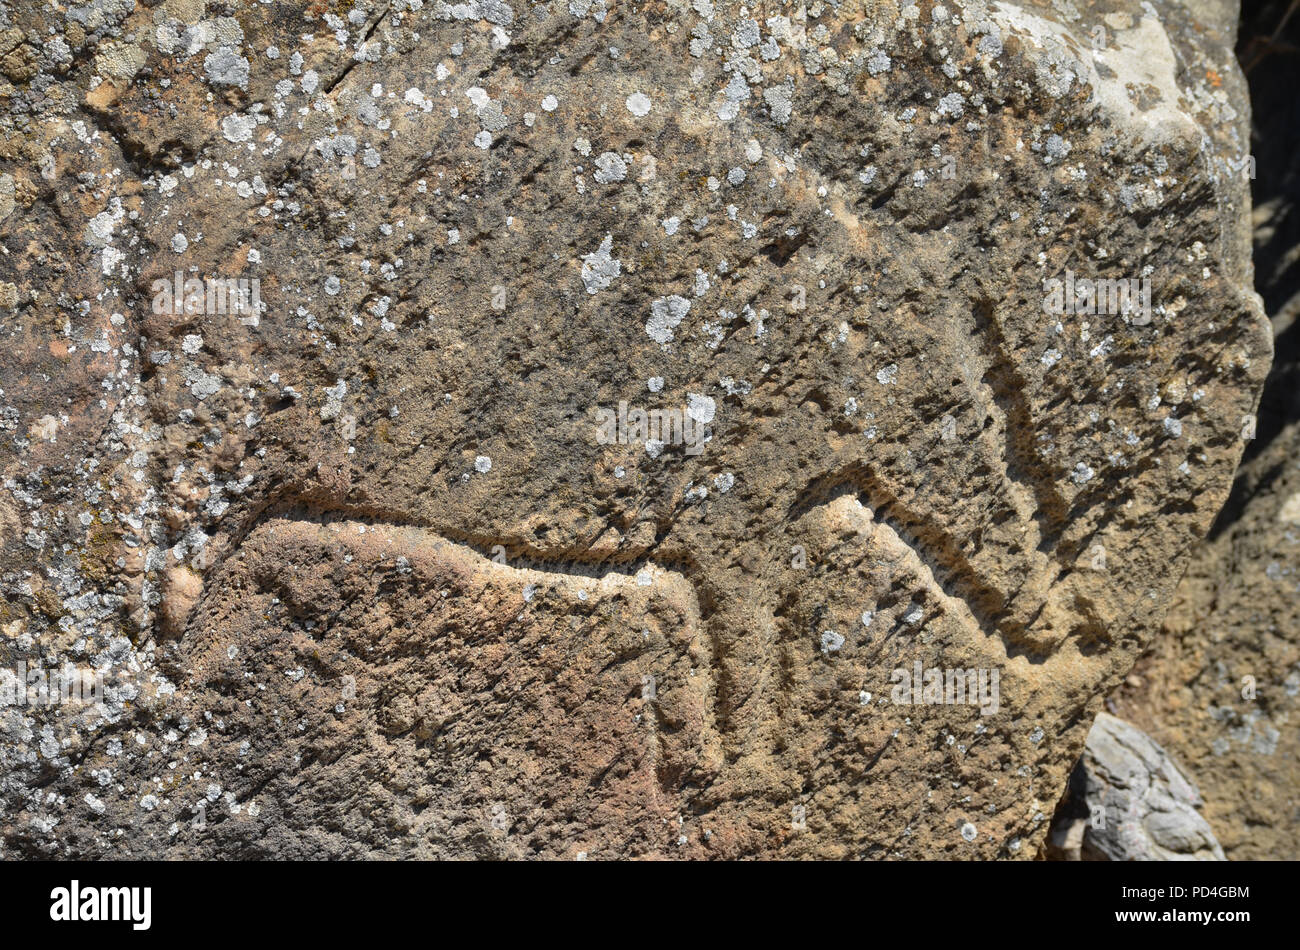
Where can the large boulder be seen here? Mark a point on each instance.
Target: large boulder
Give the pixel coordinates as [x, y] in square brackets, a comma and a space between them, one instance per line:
[1220, 687]
[651, 411]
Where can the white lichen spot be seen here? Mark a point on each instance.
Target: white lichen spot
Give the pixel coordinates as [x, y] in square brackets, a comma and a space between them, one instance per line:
[225, 67]
[638, 104]
[952, 105]
[700, 408]
[238, 128]
[599, 269]
[666, 313]
[610, 168]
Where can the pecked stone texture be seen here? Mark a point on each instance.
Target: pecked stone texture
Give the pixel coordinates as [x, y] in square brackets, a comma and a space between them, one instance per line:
[364, 576]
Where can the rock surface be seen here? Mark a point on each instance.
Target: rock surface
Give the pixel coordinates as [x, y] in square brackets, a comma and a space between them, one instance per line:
[1220, 688]
[379, 570]
[1129, 801]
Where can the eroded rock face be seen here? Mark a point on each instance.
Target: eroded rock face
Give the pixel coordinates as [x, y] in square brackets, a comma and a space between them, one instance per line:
[1129, 801]
[394, 566]
[1220, 687]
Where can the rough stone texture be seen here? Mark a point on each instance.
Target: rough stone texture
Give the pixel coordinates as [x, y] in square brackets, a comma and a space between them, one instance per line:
[363, 579]
[1221, 686]
[1129, 801]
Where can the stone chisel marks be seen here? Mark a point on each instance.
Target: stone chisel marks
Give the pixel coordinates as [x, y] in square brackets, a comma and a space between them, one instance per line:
[751, 307]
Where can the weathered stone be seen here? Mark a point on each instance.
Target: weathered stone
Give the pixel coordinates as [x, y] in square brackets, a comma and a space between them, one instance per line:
[1129, 801]
[1220, 687]
[813, 242]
